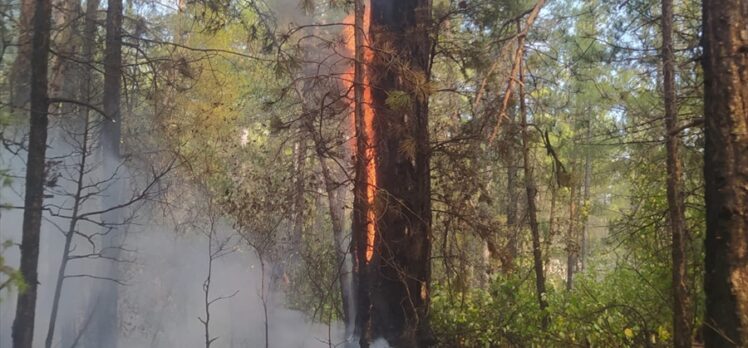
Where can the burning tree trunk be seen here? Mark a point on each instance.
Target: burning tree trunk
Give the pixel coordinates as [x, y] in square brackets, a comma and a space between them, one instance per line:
[23, 325]
[392, 207]
[725, 65]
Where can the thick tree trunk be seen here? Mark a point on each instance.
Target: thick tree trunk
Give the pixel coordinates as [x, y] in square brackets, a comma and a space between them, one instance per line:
[105, 322]
[112, 129]
[394, 272]
[23, 325]
[532, 209]
[725, 63]
[511, 187]
[676, 207]
[63, 81]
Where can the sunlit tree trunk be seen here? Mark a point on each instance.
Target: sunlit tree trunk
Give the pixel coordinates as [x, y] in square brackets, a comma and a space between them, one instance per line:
[676, 208]
[23, 325]
[511, 188]
[725, 64]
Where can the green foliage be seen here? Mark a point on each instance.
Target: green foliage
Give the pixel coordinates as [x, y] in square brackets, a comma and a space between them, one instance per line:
[9, 278]
[607, 309]
[398, 100]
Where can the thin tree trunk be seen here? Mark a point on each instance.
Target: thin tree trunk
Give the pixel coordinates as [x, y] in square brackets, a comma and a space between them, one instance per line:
[551, 228]
[69, 235]
[23, 325]
[583, 249]
[86, 91]
[676, 207]
[725, 64]
[299, 201]
[335, 198]
[336, 203]
[511, 201]
[571, 240]
[532, 210]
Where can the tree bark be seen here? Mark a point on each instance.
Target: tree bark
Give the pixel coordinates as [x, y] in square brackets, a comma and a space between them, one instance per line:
[105, 321]
[583, 248]
[23, 325]
[725, 64]
[62, 83]
[360, 203]
[395, 281]
[532, 210]
[548, 242]
[299, 201]
[571, 237]
[676, 207]
[511, 187]
[112, 129]
[20, 73]
[336, 199]
[336, 196]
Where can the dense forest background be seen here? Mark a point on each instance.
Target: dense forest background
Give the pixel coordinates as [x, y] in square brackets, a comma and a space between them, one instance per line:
[301, 173]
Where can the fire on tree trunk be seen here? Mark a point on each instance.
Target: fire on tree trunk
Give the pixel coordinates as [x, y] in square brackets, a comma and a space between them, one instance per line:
[392, 217]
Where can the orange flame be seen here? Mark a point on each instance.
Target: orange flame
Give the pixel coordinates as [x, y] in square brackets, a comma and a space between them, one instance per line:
[370, 152]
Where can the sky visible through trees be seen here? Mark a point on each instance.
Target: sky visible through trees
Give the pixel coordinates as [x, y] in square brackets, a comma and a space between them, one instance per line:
[373, 173]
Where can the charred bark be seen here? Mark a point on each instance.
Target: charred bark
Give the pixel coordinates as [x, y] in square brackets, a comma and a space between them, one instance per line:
[725, 64]
[23, 325]
[394, 284]
[676, 204]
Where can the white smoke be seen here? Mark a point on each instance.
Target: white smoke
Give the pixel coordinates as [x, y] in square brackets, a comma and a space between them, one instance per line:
[163, 297]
